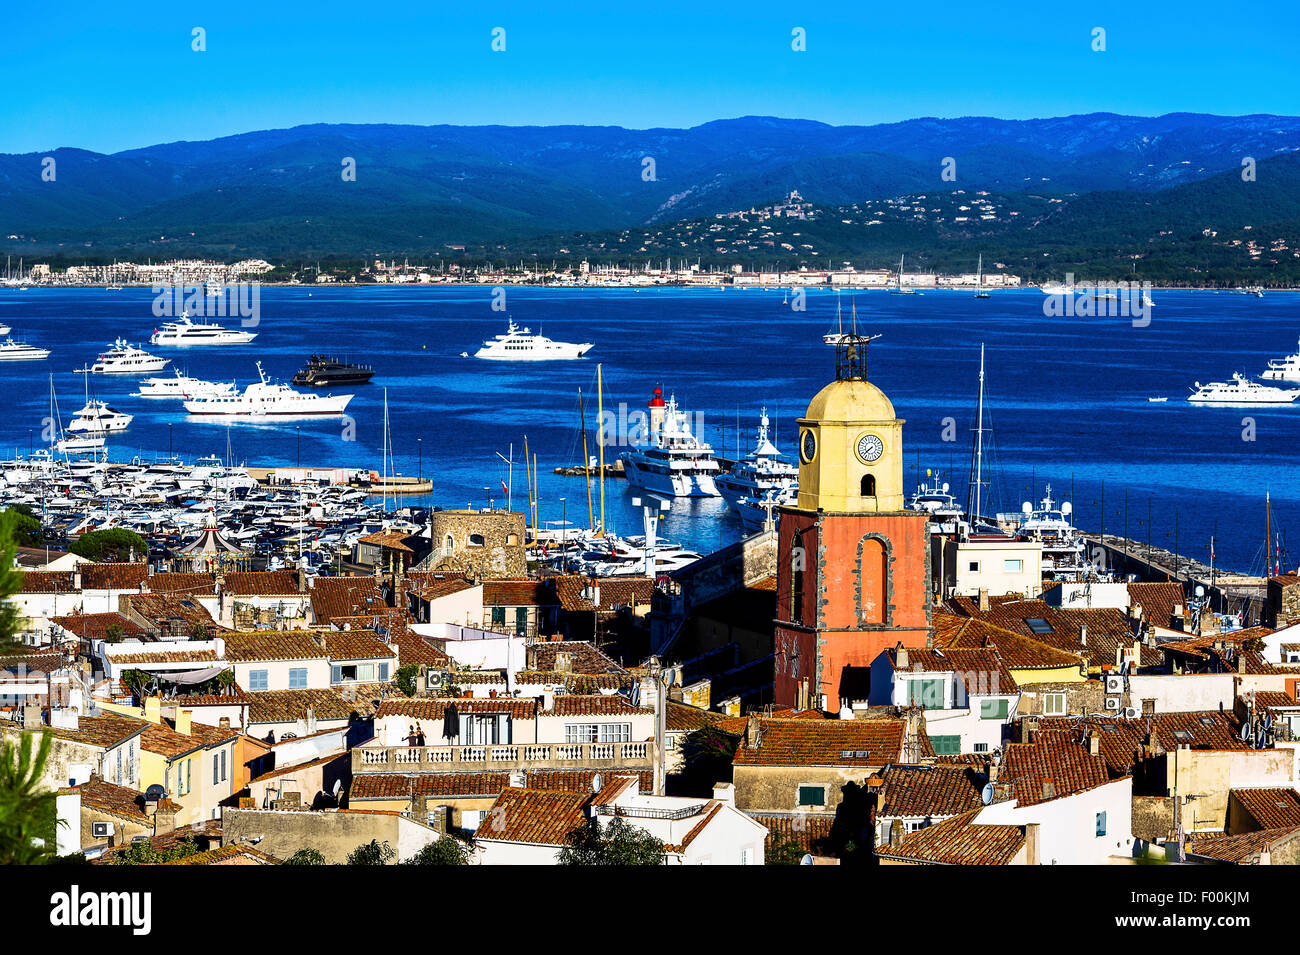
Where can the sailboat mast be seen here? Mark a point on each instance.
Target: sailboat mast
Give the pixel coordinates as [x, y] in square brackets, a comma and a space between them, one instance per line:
[979, 443]
[600, 440]
[586, 462]
[1268, 534]
[528, 479]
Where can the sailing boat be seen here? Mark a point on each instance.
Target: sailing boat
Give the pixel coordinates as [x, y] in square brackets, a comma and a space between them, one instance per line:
[69, 443]
[979, 279]
[898, 286]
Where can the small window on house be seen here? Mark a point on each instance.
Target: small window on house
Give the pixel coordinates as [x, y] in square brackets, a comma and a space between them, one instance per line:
[981, 747]
[868, 485]
[1013, 565]
[512, 539]
[499, 616]
[448, 545]
[812, 795]
[1053, 704]
[257, 679]
[946, 745]
[1101, 823]
[476, 540]
[1038, 625]
[297, 678]
[973, 566]
[383, 673]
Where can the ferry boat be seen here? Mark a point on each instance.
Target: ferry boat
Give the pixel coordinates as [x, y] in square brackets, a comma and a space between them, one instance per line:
[96, 417]
[267, 399]
[320, 372]
[520, 344]
[180, 386]
[1283, 369]
[125, 359]
[11, 350]
[674, 462]
[1064, 551]
[946, 515]
[1241, 391]
[760, 472]
[184, 332]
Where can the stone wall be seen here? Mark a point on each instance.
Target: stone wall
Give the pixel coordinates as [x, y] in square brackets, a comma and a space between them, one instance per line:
[1153, 817]
[283, 832]
[1080, 698]
[499, 555]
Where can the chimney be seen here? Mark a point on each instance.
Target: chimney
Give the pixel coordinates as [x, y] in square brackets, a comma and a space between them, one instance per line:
[1031, 844]
[224, 722]
[153, 709]
[311, 719]
[1149, 707]
[725, 793]
[164, 817]
[984, 600]
[1049, 790]
[901, 659]
[895, 833]
[32, 716]
[563, 661]
[1029, 729]
[753, 732]
[1083, 635]
[1094, 742]
[183, 721]
[995, 767]
[1241, 662]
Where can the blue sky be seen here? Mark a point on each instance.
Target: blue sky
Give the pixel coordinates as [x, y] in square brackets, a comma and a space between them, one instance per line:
[114, 76]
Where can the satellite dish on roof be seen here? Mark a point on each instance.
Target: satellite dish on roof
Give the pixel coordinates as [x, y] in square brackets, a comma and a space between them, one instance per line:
[807, 859]
[1027, 507]
[597, 782]
[986, 794]
[1245, 732]
[155, 792]
[1067, 509]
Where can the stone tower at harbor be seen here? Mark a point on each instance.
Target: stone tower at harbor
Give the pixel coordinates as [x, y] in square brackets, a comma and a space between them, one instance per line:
[852, 562]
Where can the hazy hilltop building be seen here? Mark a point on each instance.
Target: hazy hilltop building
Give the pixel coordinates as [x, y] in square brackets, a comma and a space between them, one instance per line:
[483, 544]
[853, 564]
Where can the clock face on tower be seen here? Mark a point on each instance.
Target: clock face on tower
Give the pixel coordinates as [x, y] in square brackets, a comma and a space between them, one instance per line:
[870, 448]
[808, 447]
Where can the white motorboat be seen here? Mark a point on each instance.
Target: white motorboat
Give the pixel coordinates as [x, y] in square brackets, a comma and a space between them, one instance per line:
[11, 350]
[673, 462]
[125, 359]
[754, 512]
[79, 444]
[1057, 288]
[1283, 369]
[185, 332]
[268, 399]
[1241, 391]
[4, 329]
[98, 418]
[520, 344]
[181, 386]
[760, 472]
[946, 515]
[1064, 551]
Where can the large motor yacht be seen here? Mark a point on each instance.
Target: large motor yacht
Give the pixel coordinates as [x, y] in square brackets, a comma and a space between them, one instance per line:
[125, 359]
[180, 386]
[520, 344]
[11, 350]
[268, 399]
[1241, 391]
[98, 418]
[760, 472]
[1283, 369]
[1064, 551]
[935, 498]
[673, 462]
[185, 332]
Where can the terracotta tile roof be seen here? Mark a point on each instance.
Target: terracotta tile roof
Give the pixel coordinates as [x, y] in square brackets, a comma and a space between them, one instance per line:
[94, 626]
[615, 592]
[958, 841]
[196, 585]
[597, 705]
[1017, 652]
[1271, 808]
[108, 730]
[261, 583]
[398, 786]
[516, 593]
[682, 718]
[938, 790]
[1052, 766]
[233, 854]
[163, 740]
[113, 576]
[1243, 849]
[47, 582]
[257, 645]
[146, 656]
[411, 646]
[1274, 700]
[356, 645]
[204, 834]
[116, 800]
[393, 540]
[159, 609]
[810, 832]
[983, 671]
[435, 587]
[580, 780]
[583, 657]
[1157, 600]
[345, 597]
[1121, 740]
[534, 816]
[573, 682]
[1107, 627]
[432, 709]
[794, 742]
[288, 706]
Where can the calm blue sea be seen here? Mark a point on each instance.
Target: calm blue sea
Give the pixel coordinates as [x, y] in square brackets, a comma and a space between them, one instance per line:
[1067, 398]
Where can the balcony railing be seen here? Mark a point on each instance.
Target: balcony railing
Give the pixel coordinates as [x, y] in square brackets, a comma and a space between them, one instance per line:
[501, 757]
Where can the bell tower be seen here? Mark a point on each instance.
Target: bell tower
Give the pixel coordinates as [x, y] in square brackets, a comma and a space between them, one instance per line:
[853, 563]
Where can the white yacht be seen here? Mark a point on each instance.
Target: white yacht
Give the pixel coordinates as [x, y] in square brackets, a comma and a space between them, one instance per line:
[755, 511]
[4, 329]
[11, 350]
[946, 515]
[268, 399]
[673, 462]
[1241, 391]
[760, 472]
[125, 359]
[181, 386]
[184, 332]
[1283, 369]
[79, 444]
[98, 418]
[898, 286]
[520, 344]
[1064, 551]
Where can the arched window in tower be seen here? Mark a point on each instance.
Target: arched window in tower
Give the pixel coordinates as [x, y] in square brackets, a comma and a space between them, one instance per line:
[868, 485]
[873, 582]
[798, 560]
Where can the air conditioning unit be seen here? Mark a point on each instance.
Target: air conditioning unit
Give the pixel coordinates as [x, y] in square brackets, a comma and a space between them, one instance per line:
[101, 830]
[1132, 713]
[1114, 684]
[1112, 704]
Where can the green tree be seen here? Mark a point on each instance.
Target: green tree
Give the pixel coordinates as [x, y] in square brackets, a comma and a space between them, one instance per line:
[405, 678]
[23, 526]
[706, 760]
[144, 853]
[615, 843]
[372, 853]
[446, 850]
[27, 810]
[306, 857]
[11, 581]
[783, 852]
[116, 543]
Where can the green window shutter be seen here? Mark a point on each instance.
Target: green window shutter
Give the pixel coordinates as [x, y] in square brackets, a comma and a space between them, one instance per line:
[946, 745]
[994, 709]
[812, 796]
